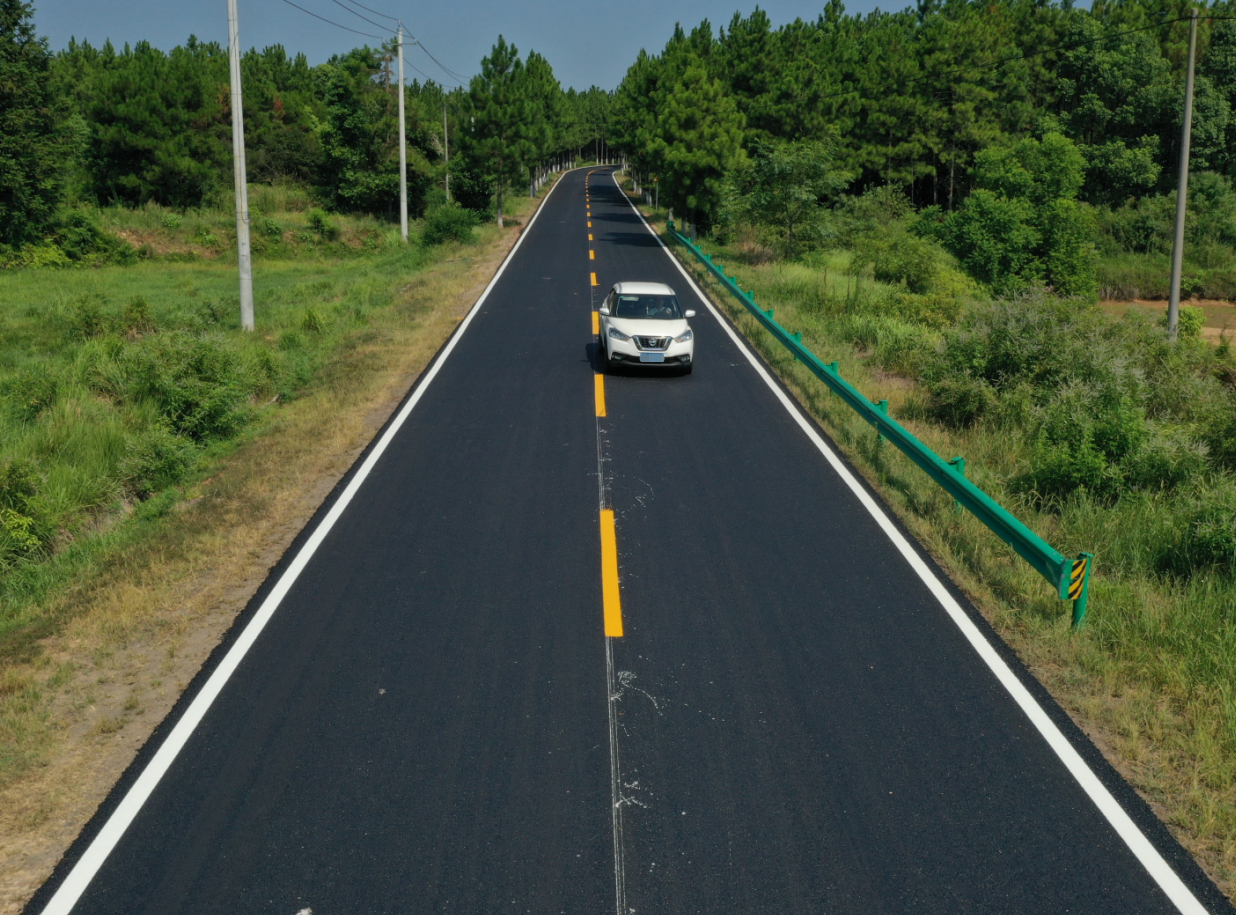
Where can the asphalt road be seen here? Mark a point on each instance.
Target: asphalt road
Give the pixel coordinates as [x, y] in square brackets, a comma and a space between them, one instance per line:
[433, 719]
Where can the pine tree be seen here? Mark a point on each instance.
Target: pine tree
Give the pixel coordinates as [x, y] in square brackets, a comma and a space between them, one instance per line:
[501, 112]
[31, 143]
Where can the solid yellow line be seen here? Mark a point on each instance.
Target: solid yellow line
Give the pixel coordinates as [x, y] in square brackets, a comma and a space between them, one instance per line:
[592, 255]
[596, 323]
[594, 279]
[611, 603]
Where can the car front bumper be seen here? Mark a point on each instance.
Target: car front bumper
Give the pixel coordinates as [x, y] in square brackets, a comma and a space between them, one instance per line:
[627, 353]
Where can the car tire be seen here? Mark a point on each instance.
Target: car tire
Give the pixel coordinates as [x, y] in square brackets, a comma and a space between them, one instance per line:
[688, 367]
[606, 364]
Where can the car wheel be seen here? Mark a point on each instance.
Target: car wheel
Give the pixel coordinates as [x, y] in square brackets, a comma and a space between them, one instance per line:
[606, 364]
[688, 367]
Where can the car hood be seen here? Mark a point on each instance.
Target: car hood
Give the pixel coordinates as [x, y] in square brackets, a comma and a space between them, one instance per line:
[649, 327]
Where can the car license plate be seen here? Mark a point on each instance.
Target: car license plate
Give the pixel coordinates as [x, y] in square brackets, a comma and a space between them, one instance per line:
[652, 357]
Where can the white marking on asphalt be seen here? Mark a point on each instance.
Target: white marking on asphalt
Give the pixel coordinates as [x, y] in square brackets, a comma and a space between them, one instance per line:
[1158, 868]
[96, 853]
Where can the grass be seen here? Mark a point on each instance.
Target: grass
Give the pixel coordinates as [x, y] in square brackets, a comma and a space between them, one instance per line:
[135, 585]
[1150, 677]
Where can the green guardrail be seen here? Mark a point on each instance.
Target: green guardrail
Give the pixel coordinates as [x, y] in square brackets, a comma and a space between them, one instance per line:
[1070, 577]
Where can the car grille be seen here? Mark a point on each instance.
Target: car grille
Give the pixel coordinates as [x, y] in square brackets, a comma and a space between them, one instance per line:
[652, 342]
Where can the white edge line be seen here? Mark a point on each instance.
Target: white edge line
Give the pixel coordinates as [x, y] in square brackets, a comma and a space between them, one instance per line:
[92, 859]
[1158, 868]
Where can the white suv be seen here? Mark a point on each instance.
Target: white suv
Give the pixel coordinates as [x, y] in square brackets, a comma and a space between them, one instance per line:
[643, 324]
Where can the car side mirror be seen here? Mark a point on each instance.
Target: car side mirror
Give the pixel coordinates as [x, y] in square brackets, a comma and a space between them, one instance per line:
[690, 312]
[604, 309]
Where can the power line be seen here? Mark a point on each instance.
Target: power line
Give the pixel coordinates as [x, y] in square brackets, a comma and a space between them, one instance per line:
[335, 24]
[358, 15]
[375, 12]
[446, 69]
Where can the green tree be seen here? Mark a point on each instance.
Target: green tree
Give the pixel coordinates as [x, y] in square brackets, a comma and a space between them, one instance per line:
[697, 138]
[786, 186]
[499, 134]
[31, 142]
[1023, 225]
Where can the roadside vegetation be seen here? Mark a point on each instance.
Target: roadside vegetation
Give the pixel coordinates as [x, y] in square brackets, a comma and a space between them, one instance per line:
[970, 207]
[1094, 431]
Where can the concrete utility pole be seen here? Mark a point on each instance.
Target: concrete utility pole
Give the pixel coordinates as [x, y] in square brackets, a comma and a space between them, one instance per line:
[243, 256]
[1182, 190]
[403, 151]
[446, 150]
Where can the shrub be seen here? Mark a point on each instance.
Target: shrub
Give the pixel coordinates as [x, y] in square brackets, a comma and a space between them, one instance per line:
[959, 402]
[321, 226]
[895, 256]
[1207, 538]
[196, 383]
[448, 223]
[472, 190]
[154, 459]
[171, 221]
[1166, 460]
[1189, 322]
[137, 317]
[33, 390]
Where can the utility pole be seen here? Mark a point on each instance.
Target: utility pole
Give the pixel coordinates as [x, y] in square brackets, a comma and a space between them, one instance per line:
[446, 149]
[243, 256]
[403, 151]
[1182, 190]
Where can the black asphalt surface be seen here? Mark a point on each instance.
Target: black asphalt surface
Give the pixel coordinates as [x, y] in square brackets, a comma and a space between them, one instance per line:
[423, 725]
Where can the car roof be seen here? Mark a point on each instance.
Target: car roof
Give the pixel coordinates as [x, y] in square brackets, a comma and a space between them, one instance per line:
[642, 289]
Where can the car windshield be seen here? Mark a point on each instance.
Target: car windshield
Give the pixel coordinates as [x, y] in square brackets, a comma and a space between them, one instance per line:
[662, 307]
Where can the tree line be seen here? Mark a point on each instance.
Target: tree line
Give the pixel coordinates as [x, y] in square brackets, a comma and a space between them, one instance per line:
[107, 126]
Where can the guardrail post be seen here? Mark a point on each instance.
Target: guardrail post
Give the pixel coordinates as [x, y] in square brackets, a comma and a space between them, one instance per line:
[880, 435]
[1079, 587]
[959, 464]
[836, 367]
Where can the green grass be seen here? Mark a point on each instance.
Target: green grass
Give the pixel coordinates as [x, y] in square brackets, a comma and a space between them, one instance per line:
[118, 384]
[1153, 669]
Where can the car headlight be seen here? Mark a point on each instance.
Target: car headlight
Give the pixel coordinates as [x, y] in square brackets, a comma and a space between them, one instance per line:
[684, 336]
[618, 335]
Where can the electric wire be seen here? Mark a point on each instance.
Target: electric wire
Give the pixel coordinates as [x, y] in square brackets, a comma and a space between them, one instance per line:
[358, 15]
[371, 10]
[445, 69]
[335, 24]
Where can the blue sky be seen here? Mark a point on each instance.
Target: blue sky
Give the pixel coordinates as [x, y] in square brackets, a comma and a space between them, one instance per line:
[586, 43]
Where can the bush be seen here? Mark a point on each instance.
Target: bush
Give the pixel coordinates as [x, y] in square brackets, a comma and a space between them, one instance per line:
[1166, 460]
[472, 190]
[895, 256]
[448, 223]
[1207, 538]
[197, 384]
[33, 390]
[321, 226]
[960, 402]
[1189, 322]
[154, 459]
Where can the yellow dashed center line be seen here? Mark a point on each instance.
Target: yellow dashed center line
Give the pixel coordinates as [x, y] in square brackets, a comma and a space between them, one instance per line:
[592, 255]
[599, 392]
[609, 575]
[596, 323]
[590, 225]
[594, 279]
[589, 236]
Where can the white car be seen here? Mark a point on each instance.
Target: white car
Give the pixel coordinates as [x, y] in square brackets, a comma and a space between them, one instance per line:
[643, 324]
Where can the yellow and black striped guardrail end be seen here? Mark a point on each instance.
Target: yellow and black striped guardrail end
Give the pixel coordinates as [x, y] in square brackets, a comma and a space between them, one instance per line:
[1078, 578]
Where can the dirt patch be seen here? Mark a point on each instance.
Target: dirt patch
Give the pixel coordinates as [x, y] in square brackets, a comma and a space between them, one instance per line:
[158, 244]
[1220, 314]
[143, 629]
